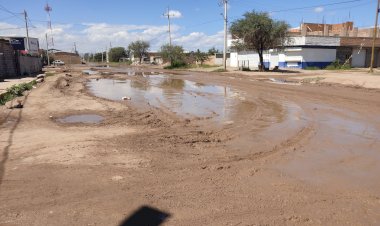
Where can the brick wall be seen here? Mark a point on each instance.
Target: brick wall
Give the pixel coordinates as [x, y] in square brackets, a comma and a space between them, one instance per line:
[68, 58]
[357, 41]
[8, 66]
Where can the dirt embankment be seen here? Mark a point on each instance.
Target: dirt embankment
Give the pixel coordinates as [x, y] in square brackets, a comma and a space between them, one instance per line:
[286, 156]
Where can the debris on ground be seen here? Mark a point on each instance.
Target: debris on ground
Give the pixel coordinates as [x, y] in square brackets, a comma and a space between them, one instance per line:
[89, 72]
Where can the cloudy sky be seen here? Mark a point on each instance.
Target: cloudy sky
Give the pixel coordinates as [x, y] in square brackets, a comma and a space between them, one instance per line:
[94, 24]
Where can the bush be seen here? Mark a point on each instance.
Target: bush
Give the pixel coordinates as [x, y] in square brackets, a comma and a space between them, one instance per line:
[16, 91]
[246, 69]
[176, 64]
[336, 65]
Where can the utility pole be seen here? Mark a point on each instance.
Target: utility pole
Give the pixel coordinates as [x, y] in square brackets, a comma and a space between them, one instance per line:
[170, 35]
[27, 31]
[107, 57]
[225, 34]
[47, 49]
[75, 47]
[374, 37]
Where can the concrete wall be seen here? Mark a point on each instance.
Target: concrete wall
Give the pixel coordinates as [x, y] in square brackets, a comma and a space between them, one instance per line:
[313, 41]
[8, 66]
[29, 65]
[303, 57]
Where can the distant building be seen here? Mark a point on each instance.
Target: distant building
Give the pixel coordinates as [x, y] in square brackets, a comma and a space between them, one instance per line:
[317, 45]
[68, 58]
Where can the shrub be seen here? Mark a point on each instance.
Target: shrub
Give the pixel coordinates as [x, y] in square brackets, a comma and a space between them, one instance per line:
[246, 69]
[336, 65]
[16, 91]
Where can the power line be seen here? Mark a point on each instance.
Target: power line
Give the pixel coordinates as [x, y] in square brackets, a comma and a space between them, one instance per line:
[314, 6]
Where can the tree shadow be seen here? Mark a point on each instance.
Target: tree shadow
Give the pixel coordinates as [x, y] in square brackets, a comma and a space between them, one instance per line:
[146, 216]
[6, 149]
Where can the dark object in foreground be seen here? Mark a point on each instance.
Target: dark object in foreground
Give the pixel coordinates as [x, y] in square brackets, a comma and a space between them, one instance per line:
[146, 216]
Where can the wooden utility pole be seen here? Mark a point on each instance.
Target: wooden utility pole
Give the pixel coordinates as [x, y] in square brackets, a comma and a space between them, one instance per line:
[225, 34]
[27, 31]
[374, 37]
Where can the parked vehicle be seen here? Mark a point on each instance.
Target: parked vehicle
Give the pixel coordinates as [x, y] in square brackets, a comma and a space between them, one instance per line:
[58, 62]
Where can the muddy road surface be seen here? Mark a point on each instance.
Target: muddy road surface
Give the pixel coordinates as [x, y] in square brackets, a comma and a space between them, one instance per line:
[189, 149]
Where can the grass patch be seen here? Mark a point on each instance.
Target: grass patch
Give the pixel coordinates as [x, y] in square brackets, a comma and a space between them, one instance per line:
[312, 68]
[219, 70]
[16, 91]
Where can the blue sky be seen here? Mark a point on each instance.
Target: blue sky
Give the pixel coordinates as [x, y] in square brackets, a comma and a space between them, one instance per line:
[94, 24]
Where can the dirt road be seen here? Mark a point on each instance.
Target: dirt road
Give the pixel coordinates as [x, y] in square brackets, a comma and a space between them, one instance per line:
[203, 148]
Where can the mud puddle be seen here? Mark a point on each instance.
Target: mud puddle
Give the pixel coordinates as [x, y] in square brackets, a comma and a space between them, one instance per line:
[181, 96]
[84, 118]
[343, 153]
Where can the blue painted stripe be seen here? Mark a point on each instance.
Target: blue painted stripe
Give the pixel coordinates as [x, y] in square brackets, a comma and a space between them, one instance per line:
[304, 65]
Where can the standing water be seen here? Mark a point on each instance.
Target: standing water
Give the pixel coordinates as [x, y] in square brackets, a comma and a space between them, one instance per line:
[184, 97]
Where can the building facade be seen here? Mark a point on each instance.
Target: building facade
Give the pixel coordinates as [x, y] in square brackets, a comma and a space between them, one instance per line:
[316, 45]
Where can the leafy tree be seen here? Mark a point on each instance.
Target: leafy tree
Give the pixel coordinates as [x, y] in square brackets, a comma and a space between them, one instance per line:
[174, 54]
[213, 51]
[98, 57]
[139, 49]
[116, 53]
[200, 56]
[258, 31]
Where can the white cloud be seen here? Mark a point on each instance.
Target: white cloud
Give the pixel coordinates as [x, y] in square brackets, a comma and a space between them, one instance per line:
[175, 14]
[319, 9]
[95, 37]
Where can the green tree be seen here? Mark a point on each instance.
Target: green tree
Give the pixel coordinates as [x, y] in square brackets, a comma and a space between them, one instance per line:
[200, 56]
[259, 32]
[213, 51]
[116, 53]
[98, 57]
[139, 49]
[174, 54]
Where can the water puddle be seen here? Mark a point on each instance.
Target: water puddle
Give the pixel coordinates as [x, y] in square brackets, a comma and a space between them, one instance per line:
[183, 97]
[343, 152]
[283, 82]
[85, 118]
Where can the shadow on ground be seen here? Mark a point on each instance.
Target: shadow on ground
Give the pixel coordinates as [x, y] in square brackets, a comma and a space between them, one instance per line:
[6, 149]
[146, 216]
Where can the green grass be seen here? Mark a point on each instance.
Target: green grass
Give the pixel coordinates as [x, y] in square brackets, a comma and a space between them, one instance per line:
[219, 70]
[312, 68]
[16, 91]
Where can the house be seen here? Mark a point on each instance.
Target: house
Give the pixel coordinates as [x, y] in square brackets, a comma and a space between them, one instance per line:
[316, 45]
[16, 59]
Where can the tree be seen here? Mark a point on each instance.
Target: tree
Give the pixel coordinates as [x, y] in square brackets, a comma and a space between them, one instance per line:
[98, 57]
[213, 51]
[174, 54]
[259, 32]
[116, 53]
[200, 56]
[139, 49]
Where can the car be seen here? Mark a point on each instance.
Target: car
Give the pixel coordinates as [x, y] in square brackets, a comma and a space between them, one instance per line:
[58, 62]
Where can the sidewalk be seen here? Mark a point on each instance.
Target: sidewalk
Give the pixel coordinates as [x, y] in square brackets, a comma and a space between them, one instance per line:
[10, 82]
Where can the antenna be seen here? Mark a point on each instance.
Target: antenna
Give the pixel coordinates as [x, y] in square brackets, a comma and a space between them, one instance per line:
[170, 35]
[48, 9]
